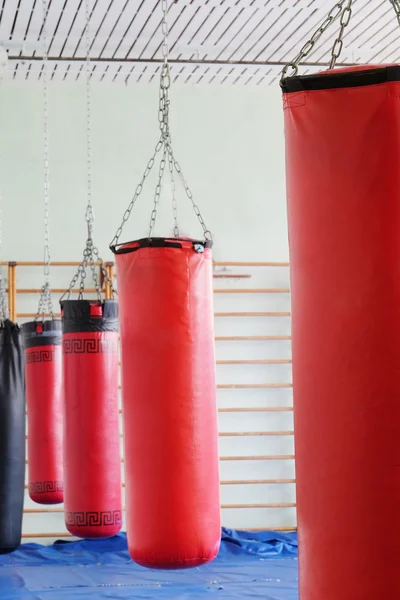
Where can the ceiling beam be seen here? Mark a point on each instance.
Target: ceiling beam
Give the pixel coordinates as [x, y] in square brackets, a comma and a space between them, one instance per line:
[171, 61]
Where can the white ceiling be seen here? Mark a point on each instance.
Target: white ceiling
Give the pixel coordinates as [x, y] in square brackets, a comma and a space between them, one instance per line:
[241, 42]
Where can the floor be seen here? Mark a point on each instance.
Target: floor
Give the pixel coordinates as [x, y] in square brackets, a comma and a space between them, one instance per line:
[262, 565]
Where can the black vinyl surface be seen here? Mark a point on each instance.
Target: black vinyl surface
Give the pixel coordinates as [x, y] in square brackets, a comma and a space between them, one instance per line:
[12, 436]
[340, 79]
[77, 319]
[51, 334]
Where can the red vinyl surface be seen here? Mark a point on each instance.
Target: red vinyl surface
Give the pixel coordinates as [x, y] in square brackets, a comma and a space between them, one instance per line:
[43, 379]
[343, 193]
[169, 405]
[92, 463]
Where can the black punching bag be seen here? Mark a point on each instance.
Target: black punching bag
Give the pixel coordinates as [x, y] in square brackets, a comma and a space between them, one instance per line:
[12, 436]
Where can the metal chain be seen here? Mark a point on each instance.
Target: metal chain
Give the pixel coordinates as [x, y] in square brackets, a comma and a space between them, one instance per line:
[45, 299]
[157, 193]
[89, 209]
[333, 14]
[91, 255]
[396, 6]
[163, 115]
[165, 76]
[207, 233]
[81, 273]
[164, 144]
[103, 270]
[88, 257]
[138, 191]
[338, 45]
[173, 190]
[345, 13]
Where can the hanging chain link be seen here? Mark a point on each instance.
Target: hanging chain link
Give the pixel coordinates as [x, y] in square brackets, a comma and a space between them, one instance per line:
[157, 192]
[91, 255]
[167, 155]
[309, 46]
[45, 299]
[345, 13]
[173, 191]
[396, 6]
[338, 45]
[89, 209]
[138, 191]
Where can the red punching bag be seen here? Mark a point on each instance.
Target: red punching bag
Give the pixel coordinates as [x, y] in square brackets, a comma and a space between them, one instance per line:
[343, 188]
[92, 463]
[43, 373]
[169, 402]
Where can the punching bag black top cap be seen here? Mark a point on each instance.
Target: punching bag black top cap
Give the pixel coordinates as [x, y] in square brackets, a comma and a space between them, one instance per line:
[342, 78]
[12, 436]
[42, 333]
[128, 247]
[89, 315]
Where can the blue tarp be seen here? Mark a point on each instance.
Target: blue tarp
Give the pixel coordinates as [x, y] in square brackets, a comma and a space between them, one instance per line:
[249, 565]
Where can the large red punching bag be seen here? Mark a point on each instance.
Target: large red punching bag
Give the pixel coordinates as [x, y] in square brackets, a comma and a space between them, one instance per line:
[343, 192]
[43, 376]
[169, 402]
[92, 463]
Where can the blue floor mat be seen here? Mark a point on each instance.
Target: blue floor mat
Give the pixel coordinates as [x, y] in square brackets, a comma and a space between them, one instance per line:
[249, 565]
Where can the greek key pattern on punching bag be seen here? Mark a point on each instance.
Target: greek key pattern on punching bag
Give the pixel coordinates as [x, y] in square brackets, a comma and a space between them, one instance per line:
[90, 346]
[45, 487]
[94, 519]
[36, 356]
[93, 498]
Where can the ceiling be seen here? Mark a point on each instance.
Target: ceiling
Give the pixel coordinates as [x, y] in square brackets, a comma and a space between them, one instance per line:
[240, 42]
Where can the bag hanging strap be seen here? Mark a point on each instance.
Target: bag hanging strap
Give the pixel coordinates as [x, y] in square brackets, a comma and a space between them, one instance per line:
[164, 149]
